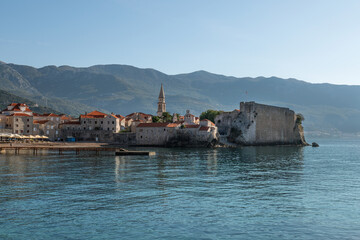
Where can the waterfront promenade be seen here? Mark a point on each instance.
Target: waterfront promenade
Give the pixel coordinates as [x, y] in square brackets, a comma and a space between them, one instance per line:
[61, 147]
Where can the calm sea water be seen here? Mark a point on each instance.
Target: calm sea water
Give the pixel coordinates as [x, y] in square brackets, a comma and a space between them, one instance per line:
[246, 193]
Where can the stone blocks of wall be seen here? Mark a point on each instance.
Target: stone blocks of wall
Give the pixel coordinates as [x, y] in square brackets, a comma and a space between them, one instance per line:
[259, 124]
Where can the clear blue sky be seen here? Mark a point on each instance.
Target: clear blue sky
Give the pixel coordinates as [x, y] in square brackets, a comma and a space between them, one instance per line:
[311, 40]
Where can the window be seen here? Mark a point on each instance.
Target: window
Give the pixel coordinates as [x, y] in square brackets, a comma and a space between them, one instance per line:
[28, 125]
[16, 125]
[108, 129]
[17, 119]
[95, 122]
[47, 132]
[28, 120]
[34, 129]
[56, 132]
[113, 122]
[52, 127]
[84, 128]
[52, 119]
[21, 131]
[102, 122]
[108, 122]
[16, 131]
[27, 131]
[84, 122]
[90, 128]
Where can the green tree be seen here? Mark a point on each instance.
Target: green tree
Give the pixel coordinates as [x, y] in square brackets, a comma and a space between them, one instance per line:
[210, 114]
[166, 117]
[299, 118]
[177, 116]
[155, 119]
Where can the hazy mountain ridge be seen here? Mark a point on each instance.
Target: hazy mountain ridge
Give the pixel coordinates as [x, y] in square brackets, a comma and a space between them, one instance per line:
[124, 89]
[7, 98]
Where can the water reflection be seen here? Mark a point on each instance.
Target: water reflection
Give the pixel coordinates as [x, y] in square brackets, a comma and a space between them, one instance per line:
[120, 167]
[212, 162]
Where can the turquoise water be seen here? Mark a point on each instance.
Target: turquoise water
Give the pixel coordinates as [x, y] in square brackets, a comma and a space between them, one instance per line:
[247, 193]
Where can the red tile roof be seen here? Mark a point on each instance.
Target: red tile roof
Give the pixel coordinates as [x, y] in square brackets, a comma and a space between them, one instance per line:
[173, 125]
[204, 128]
[21, 115]
[179, 122]
[158, 125]
[49, 115]
[94, 114]
[87, 116]
[17, 107]
[41, 121]
[152, 124]
[192, 126]
[69, 123]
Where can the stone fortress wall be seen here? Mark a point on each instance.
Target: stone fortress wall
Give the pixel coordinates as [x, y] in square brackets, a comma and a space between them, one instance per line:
[259, 124]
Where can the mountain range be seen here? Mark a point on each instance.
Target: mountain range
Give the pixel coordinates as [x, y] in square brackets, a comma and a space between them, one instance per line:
[7, 98]
[328, 109]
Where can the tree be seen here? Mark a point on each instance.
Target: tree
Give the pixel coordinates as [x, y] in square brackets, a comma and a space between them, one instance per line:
[210, 114]
[166, 117]
[155, 119]
[177, 116]
[299, 118]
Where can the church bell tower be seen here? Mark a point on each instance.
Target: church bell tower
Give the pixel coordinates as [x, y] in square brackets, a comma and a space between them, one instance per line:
[161, 103]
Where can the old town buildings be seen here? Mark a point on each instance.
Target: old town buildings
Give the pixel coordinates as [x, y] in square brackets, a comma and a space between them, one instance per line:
[136, 128]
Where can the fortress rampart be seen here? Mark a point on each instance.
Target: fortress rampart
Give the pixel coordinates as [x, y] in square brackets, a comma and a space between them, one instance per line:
[259, 124]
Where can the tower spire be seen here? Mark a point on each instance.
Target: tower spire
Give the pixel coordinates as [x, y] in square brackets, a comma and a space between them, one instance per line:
[161, 102]
[162, 93]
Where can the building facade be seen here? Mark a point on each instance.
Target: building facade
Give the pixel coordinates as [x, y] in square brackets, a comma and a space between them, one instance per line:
[17, 118]
[100, 121]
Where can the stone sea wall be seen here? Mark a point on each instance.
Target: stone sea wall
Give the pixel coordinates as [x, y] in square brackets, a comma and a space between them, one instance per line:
[100, 136]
